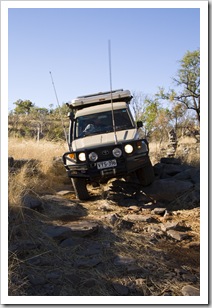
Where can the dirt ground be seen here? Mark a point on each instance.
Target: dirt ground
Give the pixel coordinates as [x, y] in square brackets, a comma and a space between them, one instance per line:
[123, 257]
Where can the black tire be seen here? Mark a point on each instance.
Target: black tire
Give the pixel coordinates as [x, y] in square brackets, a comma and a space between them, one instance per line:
[80, 188]
[146, 174]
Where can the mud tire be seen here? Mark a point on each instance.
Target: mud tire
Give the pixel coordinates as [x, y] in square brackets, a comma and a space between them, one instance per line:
[146, 174]
[80, 188]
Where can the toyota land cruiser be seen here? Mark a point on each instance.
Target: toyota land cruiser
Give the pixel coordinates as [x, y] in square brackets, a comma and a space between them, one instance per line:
[105, 142]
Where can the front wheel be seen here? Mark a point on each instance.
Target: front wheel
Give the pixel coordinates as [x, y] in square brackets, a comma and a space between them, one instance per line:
[80, 188]
[146, 174]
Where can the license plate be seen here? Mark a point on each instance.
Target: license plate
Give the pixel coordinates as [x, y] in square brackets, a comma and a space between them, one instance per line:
[106, 164]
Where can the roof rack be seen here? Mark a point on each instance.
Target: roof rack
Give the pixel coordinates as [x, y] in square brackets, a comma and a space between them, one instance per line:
[101, 98]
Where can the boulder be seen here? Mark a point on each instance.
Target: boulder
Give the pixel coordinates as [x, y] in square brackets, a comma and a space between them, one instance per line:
[32, 202]
[191, 174]
[167, 189]
[167, 170]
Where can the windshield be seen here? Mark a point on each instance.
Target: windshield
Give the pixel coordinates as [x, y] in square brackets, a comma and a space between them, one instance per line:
[101, 123]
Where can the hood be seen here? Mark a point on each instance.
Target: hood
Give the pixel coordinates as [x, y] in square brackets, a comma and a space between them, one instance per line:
[104, 139]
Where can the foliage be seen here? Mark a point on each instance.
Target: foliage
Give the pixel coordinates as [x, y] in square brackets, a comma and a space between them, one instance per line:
[36, 111]
[150, 114]
[155, 117]
[188, 82]
[23, 107]
[61, 111]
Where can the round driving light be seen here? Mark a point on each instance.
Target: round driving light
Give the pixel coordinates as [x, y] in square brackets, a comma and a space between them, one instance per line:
[128, 148]
[117, 152]
[82, 156]
[93, 156]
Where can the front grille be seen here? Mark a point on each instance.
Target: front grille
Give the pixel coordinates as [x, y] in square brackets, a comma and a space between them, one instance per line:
[105, 152]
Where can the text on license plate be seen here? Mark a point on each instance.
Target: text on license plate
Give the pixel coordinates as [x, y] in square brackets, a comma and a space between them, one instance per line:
[106, 164]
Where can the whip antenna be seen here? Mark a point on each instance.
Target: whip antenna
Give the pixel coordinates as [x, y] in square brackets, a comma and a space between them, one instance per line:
[111, 96]
[59, 108]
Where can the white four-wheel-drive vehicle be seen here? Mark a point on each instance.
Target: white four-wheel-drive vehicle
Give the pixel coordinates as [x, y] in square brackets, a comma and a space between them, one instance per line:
[104, 142]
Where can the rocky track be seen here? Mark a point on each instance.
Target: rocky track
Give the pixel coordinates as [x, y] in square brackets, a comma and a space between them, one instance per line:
[126, 240]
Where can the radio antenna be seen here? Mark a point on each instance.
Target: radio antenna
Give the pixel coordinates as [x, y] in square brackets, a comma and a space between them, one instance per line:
[59, 108]
[111, 96]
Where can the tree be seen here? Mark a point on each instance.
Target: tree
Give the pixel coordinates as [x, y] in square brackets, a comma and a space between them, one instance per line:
[23, 107]
[156, 119]
[61, 110]
[138, 105]
[150, 114]
[177, 114]
[188, 81]
[39, 111]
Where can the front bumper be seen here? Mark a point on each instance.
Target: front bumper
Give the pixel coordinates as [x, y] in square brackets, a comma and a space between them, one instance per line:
[123, 165]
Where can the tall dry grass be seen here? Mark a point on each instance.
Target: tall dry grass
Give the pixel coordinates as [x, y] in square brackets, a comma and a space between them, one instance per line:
[46, 178]
[43, 150]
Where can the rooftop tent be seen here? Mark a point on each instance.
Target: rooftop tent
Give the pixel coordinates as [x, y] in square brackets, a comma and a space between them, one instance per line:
[101, 98]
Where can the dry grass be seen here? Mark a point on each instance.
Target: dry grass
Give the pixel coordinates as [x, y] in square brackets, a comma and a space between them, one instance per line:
[16, 283]
[188, 151]
[47, 179]
[43, 151]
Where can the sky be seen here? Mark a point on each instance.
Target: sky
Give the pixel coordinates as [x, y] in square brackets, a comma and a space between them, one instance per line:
[146, 45]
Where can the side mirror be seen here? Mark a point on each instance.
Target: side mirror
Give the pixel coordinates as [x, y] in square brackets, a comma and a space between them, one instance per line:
[71, 115]
[139, 124]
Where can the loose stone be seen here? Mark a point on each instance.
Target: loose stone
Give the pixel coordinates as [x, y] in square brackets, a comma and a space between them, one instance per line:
[189, 290]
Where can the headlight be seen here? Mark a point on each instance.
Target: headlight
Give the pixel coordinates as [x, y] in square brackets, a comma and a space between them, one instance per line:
[128, 148]
[117, 152]
[93, 156]
[82, 156]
